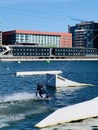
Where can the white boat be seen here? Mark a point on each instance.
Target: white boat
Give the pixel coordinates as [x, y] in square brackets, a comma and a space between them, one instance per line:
[71, 113]
[55, 80]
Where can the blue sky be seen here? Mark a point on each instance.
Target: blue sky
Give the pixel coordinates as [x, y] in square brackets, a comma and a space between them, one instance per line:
[46, 15]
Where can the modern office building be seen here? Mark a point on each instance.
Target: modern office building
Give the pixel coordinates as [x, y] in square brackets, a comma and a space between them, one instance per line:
[72, 29]
[45, 52]
[74, 51]
[0, 37]
[46, 39]
[84, 34]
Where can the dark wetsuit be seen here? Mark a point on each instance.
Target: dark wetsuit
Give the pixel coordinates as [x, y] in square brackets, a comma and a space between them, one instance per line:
[41, 90]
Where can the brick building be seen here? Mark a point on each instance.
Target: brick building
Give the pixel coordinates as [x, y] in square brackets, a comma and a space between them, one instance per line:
[46, 39]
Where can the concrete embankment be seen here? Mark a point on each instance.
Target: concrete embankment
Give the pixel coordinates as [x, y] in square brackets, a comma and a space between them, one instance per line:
[53, 58]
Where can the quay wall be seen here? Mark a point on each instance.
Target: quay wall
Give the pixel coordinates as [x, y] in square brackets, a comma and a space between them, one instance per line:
[48, 59]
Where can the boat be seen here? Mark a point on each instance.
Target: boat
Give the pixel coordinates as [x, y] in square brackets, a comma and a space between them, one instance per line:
[55, 80]
[77, 112]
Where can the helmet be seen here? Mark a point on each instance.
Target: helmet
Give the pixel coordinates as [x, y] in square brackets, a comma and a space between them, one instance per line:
[39, 85]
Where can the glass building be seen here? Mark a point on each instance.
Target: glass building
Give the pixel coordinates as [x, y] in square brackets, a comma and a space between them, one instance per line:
[85, 34]
[46, 39]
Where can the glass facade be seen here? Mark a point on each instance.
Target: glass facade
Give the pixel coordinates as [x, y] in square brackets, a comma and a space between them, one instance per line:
[46, 39]
[85, 34]
[48, 52]
[36, 39]
[72, 30]
[74, 51]
[2, 49]
[31, 51]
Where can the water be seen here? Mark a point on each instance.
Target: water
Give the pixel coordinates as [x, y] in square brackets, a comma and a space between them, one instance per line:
[19, 110]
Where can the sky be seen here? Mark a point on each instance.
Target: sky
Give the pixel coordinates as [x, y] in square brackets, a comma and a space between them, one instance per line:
[46, 15]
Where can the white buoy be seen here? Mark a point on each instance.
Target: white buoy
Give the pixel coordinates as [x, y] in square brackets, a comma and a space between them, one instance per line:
[19, 61]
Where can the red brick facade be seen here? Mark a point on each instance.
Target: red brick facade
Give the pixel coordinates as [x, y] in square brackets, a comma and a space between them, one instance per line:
[65, 38]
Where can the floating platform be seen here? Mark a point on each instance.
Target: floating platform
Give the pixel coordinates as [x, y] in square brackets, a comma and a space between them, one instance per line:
[37, 73]
[55, 80]
[71, 113]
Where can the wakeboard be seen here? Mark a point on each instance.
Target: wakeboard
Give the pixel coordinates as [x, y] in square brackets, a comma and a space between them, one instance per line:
[48, 97]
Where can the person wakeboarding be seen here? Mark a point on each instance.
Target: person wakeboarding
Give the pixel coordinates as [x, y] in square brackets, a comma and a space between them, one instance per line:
[41, 91]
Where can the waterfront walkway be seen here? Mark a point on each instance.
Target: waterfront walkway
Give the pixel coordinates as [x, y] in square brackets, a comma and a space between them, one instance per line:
[51, 58]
